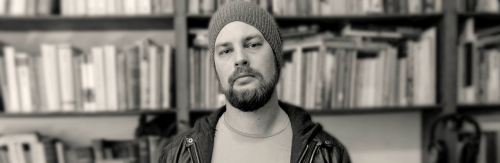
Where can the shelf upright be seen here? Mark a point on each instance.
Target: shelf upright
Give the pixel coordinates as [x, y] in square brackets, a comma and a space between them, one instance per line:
[447, 83]
[181, 64]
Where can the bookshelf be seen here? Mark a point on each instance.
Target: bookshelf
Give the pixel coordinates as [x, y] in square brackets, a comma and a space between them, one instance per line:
[181, 21]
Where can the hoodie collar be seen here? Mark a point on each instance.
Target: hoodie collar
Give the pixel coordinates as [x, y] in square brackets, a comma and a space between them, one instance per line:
[302, 127]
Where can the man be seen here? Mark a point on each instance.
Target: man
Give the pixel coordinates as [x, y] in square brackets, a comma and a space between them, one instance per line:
[253, 126]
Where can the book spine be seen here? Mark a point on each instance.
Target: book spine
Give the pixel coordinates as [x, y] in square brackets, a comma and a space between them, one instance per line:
[17, 7]
[129, 7]
[168, 6]
[66, 77]
[12, 83]
[3, 7]
[144, 73]
[133, 75]
[166, 76]
[3, 85]
[111, 7]
[23, 75]
[79, 10]
[194, 7]
[144, 7]
[77, 74]
[154, 77]
[99, 78]
[414, 7]
[143, 150]
[493, 83]
[110, 73]
[121, 77]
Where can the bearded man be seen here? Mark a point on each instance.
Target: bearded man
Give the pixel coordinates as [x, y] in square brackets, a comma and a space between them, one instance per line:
[253, 126]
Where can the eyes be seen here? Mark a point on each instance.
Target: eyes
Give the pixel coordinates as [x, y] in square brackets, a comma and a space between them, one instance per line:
[248, 46]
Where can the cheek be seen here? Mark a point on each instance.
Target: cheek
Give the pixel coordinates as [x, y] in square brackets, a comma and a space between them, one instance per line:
[223, 73]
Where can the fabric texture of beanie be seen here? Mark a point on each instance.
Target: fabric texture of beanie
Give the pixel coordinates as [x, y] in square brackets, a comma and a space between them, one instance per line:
[250, 14]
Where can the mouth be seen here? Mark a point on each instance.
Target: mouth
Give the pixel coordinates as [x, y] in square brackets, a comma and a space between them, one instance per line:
[241, 76]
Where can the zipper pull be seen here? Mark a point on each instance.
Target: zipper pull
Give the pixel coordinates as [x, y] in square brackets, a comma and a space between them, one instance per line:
[189, 141]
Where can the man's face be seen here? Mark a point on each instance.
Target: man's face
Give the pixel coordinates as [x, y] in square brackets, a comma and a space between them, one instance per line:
[245, 66]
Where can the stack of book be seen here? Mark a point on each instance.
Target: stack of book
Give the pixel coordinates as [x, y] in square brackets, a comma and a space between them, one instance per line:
[485, 6]
[478, 65]
[64, 78]
[327, 7]
[360, 68]
[205, 91]
[85, 7]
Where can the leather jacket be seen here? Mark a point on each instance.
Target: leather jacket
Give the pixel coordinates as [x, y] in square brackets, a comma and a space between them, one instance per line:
[309, 143]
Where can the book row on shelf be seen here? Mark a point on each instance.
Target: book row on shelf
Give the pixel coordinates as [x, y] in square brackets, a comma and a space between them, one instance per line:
[85, 7]
[484, 6]
[327, 7]
[478, 64]
[375, 67]
[352, 71]
[35, 148]
[64, 78]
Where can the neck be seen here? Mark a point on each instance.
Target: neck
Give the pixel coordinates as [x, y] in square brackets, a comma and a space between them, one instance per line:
[265, 120]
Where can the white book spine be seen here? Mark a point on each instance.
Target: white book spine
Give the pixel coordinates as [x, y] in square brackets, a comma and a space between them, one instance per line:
[12, 83]
[111, 7]
[111, 83]
[144, 7]
[3, 7]
[414, 7]
[91, 7]
[129, 7]
[51, 76]
[166, 76]
[99, 78]
[298, 59]
[23, 74]
[17, 7]
[100, 7]
[65, 55]
[79, 6]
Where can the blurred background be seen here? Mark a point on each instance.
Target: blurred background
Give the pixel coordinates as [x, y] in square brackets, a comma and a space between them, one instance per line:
[414, 81]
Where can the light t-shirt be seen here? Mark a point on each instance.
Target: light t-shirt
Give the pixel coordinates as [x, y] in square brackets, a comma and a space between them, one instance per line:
[231, 146]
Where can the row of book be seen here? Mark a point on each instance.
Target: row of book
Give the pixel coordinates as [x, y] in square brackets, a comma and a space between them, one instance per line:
[348, 71]
[64, 78]
[116, 7]
[35, 148]
[327, 7]
[205, 91]
[484, 6]
[478, 64]
[85, 7]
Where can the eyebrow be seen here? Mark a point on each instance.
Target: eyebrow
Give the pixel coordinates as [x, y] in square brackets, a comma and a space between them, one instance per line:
[252, 36]
[245, 39]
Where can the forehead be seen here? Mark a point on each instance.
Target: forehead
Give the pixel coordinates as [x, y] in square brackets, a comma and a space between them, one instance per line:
[235, 31]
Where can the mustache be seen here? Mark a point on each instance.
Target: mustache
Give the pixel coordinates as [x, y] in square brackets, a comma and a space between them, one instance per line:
[241, 72]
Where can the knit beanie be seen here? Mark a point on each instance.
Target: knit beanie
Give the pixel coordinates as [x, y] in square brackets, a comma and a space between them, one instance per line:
[250, 14]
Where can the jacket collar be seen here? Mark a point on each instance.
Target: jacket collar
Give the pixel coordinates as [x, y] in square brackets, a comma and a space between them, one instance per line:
[302, 127]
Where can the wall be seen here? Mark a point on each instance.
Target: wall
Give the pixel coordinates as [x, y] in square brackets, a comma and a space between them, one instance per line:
[378, 138]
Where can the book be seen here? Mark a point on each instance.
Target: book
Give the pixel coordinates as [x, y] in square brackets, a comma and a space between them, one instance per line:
[51, 76]
[121, 78]
[65, 53]
[132, 72]
[144, 7]
[3, 85]
[110, 72]
[12, 80]
[154, 56]
[23, 76]
[99, 78]
[17, 7]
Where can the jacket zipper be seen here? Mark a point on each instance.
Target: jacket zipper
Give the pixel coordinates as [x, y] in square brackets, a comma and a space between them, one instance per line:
[191, 143]
[304, 153]
[314, 151]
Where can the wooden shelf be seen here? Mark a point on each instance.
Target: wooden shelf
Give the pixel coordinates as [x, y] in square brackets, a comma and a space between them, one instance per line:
[478, 108]
[54, 23]
[201, 21]
[350, 111]
[87, 114]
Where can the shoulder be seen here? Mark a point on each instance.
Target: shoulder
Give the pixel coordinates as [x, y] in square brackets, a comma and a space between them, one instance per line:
[337, 150]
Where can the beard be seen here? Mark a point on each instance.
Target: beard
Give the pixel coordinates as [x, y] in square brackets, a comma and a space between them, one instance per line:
[249, 100]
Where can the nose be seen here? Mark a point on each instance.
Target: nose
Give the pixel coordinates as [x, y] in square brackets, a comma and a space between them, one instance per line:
[241, 59]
